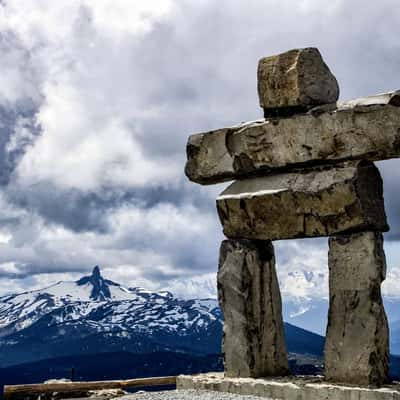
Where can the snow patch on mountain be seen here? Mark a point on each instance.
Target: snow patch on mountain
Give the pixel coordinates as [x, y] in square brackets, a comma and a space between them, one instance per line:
[103, 305]
[300, 311]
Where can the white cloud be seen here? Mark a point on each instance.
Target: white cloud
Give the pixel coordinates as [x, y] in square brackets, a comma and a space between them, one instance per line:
[302, 267]
[390, 287]
[144, 247]
[18, 79]
[199, 287]
[118, 86]
[84, 151]
[128, 17]
[53, 22]
[91, 97]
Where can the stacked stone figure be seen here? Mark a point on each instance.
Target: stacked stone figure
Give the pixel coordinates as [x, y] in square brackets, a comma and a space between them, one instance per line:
[305, 170]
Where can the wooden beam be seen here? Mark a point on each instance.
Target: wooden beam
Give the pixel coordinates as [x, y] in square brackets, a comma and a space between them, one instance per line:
[22, 391]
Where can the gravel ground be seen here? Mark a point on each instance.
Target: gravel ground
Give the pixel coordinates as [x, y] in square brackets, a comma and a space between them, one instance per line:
[186, 395]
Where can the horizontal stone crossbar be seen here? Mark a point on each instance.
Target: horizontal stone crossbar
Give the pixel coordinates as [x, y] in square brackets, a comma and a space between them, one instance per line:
[366, 128]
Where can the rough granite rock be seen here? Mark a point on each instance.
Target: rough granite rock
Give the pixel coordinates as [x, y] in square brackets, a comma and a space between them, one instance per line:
[357, 338]
[317, 202]
[254, 342]
[366, 128]
[297, 79]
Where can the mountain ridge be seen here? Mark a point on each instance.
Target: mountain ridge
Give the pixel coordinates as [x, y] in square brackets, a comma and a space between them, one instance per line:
[92, 312]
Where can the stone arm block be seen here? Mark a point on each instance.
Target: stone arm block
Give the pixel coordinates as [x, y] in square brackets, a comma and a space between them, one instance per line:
[366, 128]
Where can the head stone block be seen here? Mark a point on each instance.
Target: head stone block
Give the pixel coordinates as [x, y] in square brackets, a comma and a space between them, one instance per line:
[295, 80]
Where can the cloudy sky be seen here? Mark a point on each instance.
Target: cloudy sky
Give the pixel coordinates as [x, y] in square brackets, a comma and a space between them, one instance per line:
[97, 99]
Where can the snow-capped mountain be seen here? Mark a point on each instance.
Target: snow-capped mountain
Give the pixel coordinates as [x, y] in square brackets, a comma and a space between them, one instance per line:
[96, 314]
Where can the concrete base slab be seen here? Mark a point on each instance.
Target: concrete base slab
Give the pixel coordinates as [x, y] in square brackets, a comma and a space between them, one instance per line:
[293, 388]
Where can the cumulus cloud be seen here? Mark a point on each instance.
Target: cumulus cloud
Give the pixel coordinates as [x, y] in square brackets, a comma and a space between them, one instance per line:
[97, 100]
[302, 267]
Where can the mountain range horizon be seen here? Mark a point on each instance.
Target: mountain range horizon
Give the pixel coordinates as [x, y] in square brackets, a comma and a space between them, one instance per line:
[43, 332]
[307, 312]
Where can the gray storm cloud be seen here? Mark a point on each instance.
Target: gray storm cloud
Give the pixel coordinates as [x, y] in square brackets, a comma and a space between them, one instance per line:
[97, 101]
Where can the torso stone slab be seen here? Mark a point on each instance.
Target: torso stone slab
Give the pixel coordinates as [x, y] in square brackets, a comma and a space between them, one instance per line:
[345, 198]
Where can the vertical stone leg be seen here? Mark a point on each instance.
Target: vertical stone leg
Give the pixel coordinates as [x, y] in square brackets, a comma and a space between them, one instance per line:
[254, 342]
[357, 337]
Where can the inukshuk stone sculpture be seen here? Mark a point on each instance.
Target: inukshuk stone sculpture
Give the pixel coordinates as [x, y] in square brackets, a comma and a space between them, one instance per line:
[305, 170]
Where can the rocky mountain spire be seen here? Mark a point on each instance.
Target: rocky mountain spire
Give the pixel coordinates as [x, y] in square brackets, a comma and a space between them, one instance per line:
[100, 290]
